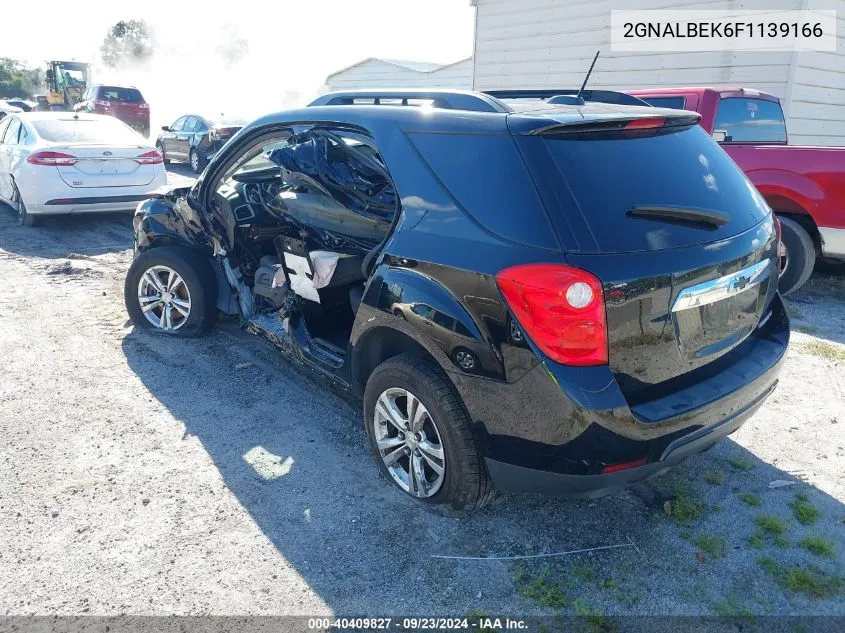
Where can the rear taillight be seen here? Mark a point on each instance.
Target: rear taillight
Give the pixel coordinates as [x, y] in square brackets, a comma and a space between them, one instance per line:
[150, 158]
[615, 468]
[52, 159]
[560, 308]
[102, 103]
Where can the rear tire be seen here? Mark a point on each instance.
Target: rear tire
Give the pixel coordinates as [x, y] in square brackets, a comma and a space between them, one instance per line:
[195, 286]
[464, 486]
[24, 217]
[197, 160]
[800, 256]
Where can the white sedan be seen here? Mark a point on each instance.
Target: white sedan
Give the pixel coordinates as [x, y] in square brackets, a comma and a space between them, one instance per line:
[64, 162]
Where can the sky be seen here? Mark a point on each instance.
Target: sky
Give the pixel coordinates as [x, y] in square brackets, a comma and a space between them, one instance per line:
[293, 44]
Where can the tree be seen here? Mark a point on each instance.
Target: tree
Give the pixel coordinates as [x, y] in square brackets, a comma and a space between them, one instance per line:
[128, 42]
[16, 80]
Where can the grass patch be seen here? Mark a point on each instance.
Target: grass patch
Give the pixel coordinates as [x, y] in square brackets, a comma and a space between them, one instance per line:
[803, 510]
[597, 622]
[750, 499]
[757, 540]
[714, 546]
[818, 546]
[810, 581]
[769, 524]
[583, 572]
[824, 350]
[538, 589]
[731, 606]
[741, 464]
[714, 478]
[685, 507]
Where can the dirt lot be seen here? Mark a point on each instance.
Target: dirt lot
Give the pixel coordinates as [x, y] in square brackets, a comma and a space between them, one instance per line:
[147, 475]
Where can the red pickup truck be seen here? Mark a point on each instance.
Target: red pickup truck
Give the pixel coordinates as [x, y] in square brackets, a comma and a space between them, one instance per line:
[804, 185]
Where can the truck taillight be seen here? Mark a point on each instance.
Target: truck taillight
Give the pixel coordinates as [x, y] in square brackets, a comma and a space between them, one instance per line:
[561, 308]
[152, 157]
[52, 159]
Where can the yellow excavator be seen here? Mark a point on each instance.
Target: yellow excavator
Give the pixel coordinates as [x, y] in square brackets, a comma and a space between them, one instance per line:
[66, 83]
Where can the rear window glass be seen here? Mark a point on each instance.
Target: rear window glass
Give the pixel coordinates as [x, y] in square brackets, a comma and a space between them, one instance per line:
[594, 184]
[126, 95]
[750, 121]
[70, 130]
[676, 103]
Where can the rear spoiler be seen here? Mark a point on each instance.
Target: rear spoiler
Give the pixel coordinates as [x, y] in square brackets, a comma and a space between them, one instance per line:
[596, 96]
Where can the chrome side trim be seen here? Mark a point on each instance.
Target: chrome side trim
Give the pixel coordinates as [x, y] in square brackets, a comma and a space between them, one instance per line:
[718, 289]
[833, 242]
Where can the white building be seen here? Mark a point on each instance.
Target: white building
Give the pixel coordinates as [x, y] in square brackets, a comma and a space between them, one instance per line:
[550, 43]
[393, 73]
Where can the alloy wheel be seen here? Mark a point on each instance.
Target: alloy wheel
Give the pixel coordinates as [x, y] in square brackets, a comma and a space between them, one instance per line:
[164, 298]
[195, 161]
[409, 443]
[783, 258]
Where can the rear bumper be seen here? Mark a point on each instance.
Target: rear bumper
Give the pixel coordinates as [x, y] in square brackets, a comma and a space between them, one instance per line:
[833, 242]
[557, 429]
[517, 479]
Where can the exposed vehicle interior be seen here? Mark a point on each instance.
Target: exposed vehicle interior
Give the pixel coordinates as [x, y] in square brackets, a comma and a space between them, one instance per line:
[307, 213]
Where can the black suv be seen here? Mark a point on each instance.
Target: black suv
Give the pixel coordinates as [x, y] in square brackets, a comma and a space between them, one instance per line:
[527, 296]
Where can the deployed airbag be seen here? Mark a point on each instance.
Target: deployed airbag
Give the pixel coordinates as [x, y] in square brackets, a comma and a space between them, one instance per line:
[336, 186]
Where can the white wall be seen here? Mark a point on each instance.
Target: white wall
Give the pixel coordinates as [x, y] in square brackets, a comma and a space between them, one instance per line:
[377, 73]
[816, 101]
[550, 44]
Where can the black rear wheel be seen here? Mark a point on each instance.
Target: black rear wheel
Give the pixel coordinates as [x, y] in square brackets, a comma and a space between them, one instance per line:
[24, 217]
[422, 438]
[197, 160]
[797, 256]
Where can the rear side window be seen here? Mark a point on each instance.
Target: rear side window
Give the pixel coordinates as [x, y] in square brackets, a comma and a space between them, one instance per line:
[105, 130]
[595, 185]
[676, 103]
[485, 174]
[125, 95]
[750, 121]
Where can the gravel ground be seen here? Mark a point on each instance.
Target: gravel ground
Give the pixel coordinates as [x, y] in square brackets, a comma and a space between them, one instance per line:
[149, 475]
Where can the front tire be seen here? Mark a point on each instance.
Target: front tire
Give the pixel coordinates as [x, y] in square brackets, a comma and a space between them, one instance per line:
[164, 157]
[172, 290]
[421, 437]
[798, 256]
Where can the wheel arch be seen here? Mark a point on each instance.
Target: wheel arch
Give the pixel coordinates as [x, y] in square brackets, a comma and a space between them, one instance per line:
[377, 345]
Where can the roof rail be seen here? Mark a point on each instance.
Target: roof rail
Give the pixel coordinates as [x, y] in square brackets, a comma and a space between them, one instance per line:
[445, 99]
[601, 96]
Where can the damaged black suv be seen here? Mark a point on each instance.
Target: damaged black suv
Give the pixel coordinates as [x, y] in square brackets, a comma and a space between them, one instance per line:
[528, 296]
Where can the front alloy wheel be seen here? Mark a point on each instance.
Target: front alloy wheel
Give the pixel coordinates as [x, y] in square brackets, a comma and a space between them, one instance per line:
[409, 443]
[164, 298]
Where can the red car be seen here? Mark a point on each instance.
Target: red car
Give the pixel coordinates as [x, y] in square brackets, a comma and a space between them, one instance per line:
[122, 102]
[804, 185]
